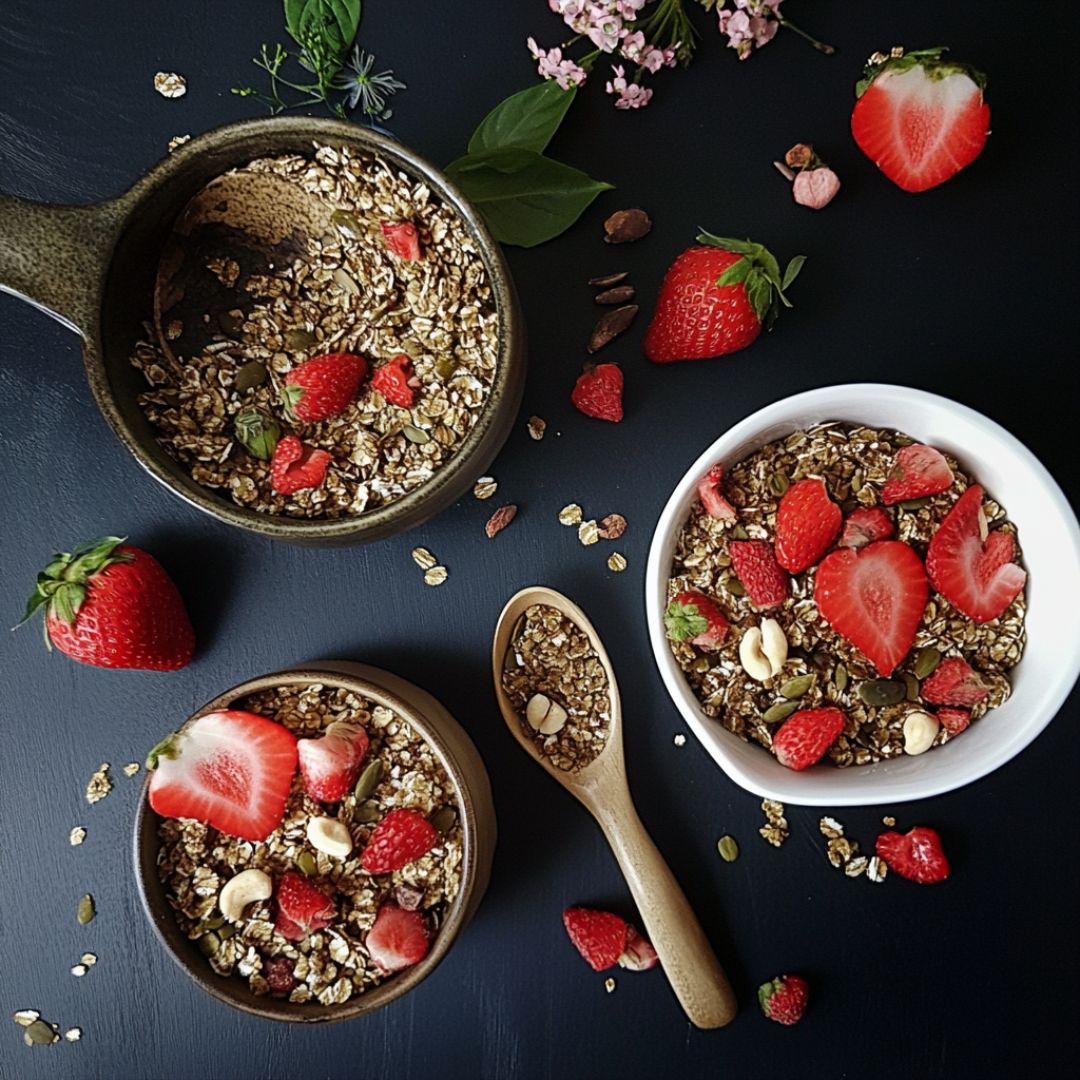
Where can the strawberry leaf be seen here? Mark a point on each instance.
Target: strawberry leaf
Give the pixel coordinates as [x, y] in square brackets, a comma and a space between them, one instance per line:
[741, 247]
[683, 621]
[735, 274]
[792, 271]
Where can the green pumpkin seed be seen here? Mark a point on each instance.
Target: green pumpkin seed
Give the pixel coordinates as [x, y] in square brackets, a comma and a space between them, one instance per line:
[739, 533]
[445, 367]
[86, 909]
[367, 814]
[226, 932]
[840, 677]
[300, 340]
[779, 483]
[305, 863]
[210, 924]
[209, 943]
[856, 480]
[415, 435]
[252, 374]
[926, 661]
[230, 322]
[728, 848]
[347, 223]
[880, 692]
[258, 433]
[369, 780]
[780, 711]
[443, 819]
[914, 504]
[911, 684]
[797, 687]
[701, 665]
[39, 1033]
[734, 586]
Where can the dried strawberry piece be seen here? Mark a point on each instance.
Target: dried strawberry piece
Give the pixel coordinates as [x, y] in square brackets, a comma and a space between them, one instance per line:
[397, 382]
[278, 973]
[402, 239]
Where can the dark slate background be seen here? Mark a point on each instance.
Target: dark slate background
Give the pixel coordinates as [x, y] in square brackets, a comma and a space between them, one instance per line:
[961, 290]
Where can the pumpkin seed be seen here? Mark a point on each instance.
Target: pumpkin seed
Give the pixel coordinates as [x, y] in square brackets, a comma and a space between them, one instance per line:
[739, 533]
[926, 661]
[86, 909]
[780, 711]
[209, 924]
[305, 863]
[734, 586]
[856, 480]
[258, 433]
[911, 684]
[779, 483]
[252, 374]
[344, 282]
[230, 322]
[39, 1033]
[914, 504]
[701, 665]
[879, 692]
[367, 814]
[445, 367]
[299, 340]
[443, 819]
[347, 223]
[728, 848]
[797, 687]
[226, 932]
[209, 943]
[415, 435]
[840, 678]
[369, 780]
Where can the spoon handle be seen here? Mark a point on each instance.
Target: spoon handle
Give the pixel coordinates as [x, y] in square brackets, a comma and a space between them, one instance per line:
[671, 925]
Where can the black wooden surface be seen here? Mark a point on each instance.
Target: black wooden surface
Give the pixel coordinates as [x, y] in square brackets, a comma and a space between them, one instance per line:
[963, 290]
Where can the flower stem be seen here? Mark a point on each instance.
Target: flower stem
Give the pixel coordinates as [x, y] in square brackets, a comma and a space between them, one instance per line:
[828, 50]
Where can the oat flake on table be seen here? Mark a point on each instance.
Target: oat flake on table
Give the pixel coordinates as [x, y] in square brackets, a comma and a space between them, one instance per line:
[99, 785]
[170, 85]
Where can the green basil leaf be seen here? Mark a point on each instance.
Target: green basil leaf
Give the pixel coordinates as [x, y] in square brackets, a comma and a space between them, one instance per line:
[525, 198]
[332, 21]
[792, 271]
[527, 119]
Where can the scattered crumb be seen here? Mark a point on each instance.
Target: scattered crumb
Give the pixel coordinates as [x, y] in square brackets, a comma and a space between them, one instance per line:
[536, 428]
[485, 487]
[77, 836]
[436, 575]
[609, 985]
[776, 830]
[89, 959]
[679, 740]
[588, 533]
[131, 768]
[424, 558]
[73, 1034]
[570, 515]
[25, 1017]
[170, 85]
[178, 140]
[99, 784]
[876, 869]
[616, 562]
[889, 820]
[79, 970]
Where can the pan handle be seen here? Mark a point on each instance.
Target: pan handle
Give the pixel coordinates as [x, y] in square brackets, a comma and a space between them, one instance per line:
[55, 257]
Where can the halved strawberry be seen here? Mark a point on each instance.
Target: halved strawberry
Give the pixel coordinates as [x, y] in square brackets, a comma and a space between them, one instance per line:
[599, 936]
[919, 118]
[296, 466]
[693, 617]
[399, 839]
[805, 736]
[396, 381]
[954, 682]
[864, 526]
[918, 470]
[916, 855]
[397, 939]
[402, 239]
[330, 762]
[712, 498]
[875, 598]
[229, 769]
[807, 522]
[755, 565]
[302, 907]
[953, 720]
[598, 393]
[972, 569]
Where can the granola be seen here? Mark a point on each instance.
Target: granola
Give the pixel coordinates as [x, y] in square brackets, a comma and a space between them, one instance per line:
[551, 658]
[345, 293]
[854, 462]
[332, 965]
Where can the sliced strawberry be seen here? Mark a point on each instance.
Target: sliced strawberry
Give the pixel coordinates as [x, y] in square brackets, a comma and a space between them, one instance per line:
[918, 470]
[399, 839]
[302, 908]
[296, 466]
[919, 118]
[396, 381]
[331, 762]
[784, 998]
[712, 498]
[953, 720]
[598, 393]
[916, 855]
[402, 239]
[638, 955]
[807, 522]
[397, 939]
[693, 617]
[599, 936]
[864, 526]
[973, 570]
[805, 736]
[875, 598]
[230, 769]
[954, 682]
[755, 565]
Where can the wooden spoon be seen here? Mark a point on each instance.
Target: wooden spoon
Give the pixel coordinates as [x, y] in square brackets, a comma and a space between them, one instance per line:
[685, 954]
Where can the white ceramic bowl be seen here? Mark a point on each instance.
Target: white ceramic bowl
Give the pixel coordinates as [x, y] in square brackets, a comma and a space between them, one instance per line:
[1050, 540]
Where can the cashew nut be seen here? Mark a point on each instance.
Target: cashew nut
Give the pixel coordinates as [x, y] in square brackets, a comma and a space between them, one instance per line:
[243, 889]
[763, 650]
[544, 715]
[920, 730]
[773, 644]
[329, 835]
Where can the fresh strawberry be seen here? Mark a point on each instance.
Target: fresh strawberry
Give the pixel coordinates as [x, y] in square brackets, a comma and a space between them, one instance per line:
[953, 720]
[599, 936]
[323, 386]
[296, 466]
[693, 617]
[954, 682]
[918, 470]
[805, 736]
[396, 381]
[784, 998]
[112, 605]
[598, 393]
[229, 769]
[302, 907]
[711, 496]
[714, 299]
[399, 839]
[397, 939]
[402, 239]
[755, 565]
[330, 763]
[874, 597]
[972, 569]
[920, 119]
[916, 855]
[864, 526]
[807, 522]
[638, 955]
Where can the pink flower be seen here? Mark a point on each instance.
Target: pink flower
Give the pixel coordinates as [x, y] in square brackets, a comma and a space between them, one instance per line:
[628, 9]
[551, 65]
[633, 45]
[574, 13]
[630, 95]
[605, 28]
[815, 187]
[754, 23]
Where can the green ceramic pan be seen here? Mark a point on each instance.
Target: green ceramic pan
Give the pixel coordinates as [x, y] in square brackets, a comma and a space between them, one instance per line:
[94, 267]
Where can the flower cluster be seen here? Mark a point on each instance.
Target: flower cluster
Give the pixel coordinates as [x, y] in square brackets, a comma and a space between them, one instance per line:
[751, 25]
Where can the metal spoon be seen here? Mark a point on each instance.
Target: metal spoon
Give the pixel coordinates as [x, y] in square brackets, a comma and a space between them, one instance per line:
[685, 954]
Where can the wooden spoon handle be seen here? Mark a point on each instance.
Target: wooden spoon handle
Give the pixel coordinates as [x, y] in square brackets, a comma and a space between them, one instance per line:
[670, 924]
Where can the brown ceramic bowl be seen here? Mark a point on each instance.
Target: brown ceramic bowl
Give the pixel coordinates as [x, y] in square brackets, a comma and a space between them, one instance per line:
[463, 765]
[94, 268]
